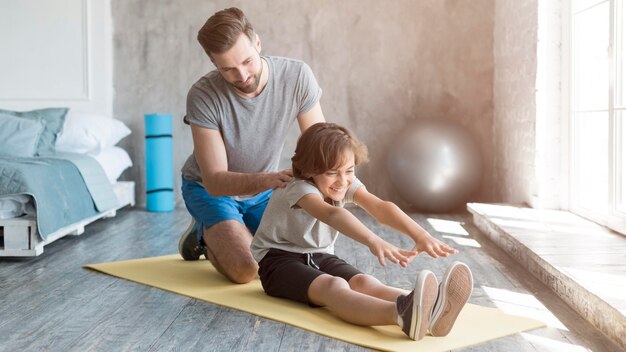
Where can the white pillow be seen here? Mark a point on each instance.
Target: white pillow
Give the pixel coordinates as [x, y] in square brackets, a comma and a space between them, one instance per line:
[89, 133]
[114, 161]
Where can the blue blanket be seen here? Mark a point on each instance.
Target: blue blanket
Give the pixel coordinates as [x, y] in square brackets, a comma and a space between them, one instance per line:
[95, 179]
[61, 193]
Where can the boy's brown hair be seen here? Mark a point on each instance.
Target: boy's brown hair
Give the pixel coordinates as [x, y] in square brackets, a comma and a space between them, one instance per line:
[221, 31]
[321, 147]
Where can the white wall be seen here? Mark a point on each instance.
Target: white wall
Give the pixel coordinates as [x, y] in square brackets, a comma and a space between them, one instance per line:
[56, 53]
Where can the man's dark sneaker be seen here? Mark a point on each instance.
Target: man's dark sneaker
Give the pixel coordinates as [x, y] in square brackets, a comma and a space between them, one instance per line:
[414, 309]
[454, 291]
[189, 245]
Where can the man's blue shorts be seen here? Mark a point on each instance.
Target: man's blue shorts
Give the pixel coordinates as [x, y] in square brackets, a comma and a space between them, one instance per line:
[208, 210]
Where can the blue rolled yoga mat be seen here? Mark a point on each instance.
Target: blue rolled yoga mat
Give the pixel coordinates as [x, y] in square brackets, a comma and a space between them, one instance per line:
[159, 163]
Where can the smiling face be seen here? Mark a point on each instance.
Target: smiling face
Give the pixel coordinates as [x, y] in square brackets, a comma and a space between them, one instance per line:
[241, 66]
[335, 182]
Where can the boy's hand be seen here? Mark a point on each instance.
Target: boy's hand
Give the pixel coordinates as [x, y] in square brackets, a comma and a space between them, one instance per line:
[383, 249]
[433, 247]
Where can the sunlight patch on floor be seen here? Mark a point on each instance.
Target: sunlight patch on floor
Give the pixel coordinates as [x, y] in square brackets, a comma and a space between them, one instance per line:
[447, 226]
[455, 228]
[466, 242]
[522, 304]
[548, 344]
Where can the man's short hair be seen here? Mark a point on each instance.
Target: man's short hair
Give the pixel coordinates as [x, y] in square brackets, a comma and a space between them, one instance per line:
[321, 147]
[221, 31]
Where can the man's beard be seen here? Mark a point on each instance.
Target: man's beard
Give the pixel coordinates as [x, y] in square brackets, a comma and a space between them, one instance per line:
[256, 80]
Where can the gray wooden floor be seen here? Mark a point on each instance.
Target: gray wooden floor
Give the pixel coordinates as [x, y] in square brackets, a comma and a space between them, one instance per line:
[50, 303]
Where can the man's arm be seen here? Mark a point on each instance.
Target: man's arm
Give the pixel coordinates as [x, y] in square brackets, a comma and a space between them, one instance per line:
[311, 117]
[217, 180]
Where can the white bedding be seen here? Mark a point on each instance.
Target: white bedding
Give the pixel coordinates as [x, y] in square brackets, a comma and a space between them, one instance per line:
[14, 205]
[114, 160]
[90, 134]
[86, 133]
[97, 136]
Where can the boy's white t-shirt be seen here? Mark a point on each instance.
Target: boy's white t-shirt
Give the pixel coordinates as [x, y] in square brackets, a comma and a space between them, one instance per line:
[288, 227]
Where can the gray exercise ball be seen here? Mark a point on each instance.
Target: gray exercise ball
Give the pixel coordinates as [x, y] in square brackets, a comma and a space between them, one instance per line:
[435, 165]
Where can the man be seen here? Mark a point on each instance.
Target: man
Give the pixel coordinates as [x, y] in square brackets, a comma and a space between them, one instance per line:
[240, 115]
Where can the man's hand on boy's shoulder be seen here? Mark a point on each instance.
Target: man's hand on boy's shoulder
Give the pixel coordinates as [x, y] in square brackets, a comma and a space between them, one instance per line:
[278, 179]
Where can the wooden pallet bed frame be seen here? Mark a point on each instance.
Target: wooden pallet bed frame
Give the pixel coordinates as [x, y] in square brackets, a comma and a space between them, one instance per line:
[19, 236]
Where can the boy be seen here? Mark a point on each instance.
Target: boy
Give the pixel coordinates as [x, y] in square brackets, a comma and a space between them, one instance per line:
[294, 244]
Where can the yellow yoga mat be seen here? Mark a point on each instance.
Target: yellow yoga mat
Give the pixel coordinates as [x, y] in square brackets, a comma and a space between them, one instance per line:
[198, 279]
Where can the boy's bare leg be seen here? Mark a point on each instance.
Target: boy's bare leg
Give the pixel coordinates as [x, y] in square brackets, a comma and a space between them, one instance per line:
[370, 286]
[357, 308]
[228, 249]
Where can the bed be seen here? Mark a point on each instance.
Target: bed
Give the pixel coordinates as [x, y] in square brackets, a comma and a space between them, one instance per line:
[59, 172]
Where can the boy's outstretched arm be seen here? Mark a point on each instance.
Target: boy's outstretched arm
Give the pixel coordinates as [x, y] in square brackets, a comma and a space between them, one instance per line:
[387, 213]
[343, 221]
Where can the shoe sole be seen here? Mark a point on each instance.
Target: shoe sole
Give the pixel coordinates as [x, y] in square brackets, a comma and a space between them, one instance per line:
[184, 236]
[423, 301]
[454, 292]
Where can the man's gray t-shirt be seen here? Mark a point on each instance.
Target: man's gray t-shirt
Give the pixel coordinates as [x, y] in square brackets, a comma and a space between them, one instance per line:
[288, 227]
[253, 129]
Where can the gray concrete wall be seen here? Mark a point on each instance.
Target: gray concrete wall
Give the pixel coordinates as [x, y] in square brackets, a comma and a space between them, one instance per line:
[381, 64]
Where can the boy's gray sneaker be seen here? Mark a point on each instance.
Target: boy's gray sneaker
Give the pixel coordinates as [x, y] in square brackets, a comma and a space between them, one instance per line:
[414, 309]
[454, 291]
[189, 245]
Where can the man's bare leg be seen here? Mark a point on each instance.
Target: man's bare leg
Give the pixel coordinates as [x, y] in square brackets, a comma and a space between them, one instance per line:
[228, 249]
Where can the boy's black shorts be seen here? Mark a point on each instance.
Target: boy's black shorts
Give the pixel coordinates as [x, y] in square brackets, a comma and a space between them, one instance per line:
[289, 275]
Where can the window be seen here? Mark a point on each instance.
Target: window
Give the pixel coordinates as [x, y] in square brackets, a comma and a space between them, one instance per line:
[597, 109]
